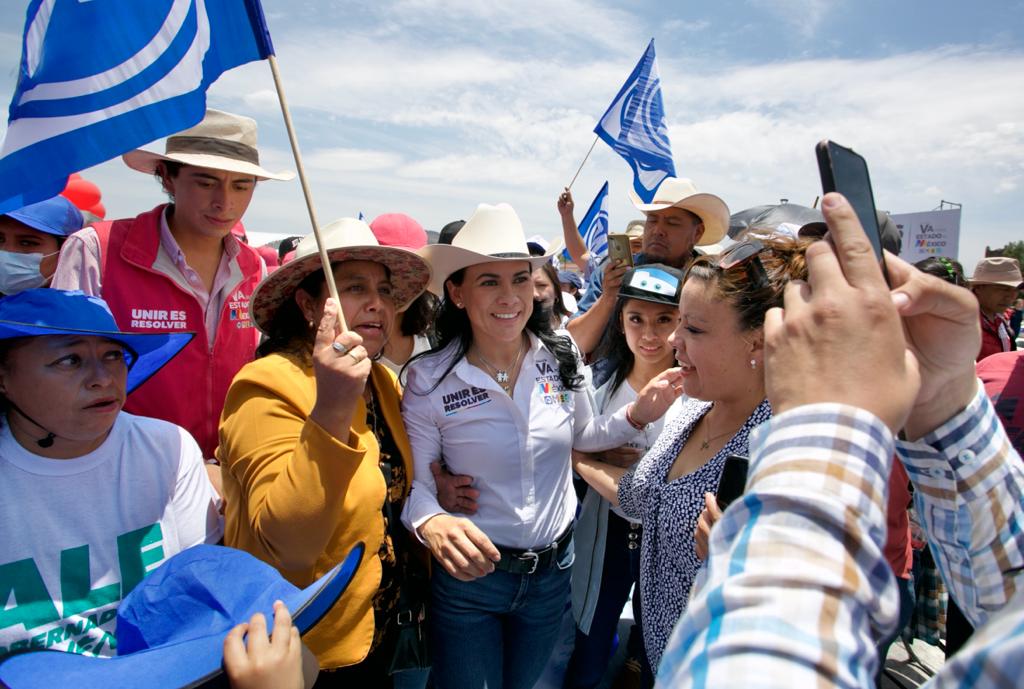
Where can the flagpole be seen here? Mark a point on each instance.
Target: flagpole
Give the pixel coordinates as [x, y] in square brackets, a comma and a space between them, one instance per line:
[585, 158]
[324, 260]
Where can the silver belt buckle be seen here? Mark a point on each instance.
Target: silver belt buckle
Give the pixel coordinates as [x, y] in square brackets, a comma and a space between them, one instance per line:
[532, 557]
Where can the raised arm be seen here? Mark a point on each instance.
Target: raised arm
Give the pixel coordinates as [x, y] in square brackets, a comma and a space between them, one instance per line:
[589, 325]
[573, 241]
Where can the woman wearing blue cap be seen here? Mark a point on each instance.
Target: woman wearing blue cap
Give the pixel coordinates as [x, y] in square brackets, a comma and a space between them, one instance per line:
[30, 239]
[91, 498]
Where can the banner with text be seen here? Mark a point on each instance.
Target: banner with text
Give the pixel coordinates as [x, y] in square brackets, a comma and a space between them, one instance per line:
[932, 233]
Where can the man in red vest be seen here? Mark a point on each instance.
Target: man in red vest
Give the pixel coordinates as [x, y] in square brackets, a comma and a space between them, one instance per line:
[179, 268]
[995, 283]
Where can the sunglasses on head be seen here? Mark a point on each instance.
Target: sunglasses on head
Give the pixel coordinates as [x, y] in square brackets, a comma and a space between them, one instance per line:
[746, 254]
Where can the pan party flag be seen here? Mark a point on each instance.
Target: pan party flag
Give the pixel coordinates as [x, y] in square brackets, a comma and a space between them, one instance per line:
[594, 226]
[634, 125]
[101, 77]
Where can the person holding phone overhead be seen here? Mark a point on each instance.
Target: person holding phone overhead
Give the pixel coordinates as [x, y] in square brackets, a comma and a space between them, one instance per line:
[719, 345]
[677, 219]
[503, 399]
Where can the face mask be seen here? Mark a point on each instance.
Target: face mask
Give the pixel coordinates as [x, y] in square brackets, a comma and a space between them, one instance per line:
[19, 272]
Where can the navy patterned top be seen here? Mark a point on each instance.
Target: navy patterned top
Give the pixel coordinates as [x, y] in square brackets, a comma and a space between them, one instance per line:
[669, 511]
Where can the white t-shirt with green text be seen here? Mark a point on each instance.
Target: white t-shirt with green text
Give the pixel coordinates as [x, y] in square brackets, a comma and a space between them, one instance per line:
[76, 535]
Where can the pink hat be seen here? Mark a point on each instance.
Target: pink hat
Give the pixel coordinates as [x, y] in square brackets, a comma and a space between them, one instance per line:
[398, 229]
[269, 255]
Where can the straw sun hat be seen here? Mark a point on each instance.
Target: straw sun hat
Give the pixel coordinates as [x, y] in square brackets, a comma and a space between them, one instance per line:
[222, 141]
[347, 239]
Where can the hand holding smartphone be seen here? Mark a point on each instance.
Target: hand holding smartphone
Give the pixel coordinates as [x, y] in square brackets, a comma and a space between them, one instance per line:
[618, 249]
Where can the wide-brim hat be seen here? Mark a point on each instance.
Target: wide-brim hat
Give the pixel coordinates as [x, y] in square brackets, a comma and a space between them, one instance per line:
[997, 270]
[493, 233]
[171, 627]
[222, 141]
[45, 311]
[346, 239]
[56, 216]
[677, 192]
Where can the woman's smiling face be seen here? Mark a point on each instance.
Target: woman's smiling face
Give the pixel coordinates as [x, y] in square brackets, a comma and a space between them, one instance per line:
[498, 298]
[711, 348]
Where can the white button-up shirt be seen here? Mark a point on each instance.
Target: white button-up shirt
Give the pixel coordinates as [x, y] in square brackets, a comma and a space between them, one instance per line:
[517, 449]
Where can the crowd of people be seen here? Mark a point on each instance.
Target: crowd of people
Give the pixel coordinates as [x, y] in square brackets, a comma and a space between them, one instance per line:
[460, 471]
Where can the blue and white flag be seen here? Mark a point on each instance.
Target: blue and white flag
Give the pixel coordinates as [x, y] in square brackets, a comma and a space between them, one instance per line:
[594, 226]
[634, 125]
[102, 77]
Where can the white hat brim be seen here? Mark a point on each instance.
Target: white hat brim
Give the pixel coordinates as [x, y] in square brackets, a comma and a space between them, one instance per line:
[446, 259]
[146, 161]
[709, 208]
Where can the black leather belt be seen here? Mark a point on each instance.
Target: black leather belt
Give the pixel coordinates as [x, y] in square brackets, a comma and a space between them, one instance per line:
[529, 561]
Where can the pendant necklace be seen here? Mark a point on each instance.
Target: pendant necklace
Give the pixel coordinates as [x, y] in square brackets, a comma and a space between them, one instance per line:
[502, 375]
[707, 435]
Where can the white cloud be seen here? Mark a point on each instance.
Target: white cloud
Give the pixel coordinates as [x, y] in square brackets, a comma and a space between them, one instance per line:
[803, 15]
[351, 160]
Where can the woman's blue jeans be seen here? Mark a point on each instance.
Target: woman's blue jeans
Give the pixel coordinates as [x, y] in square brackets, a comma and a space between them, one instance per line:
[496, 631]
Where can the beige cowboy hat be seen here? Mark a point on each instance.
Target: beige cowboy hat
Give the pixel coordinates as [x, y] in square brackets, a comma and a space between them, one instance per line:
[679, 192]
[997, 270]
[493, 233]
[347, 239]
[222, 141]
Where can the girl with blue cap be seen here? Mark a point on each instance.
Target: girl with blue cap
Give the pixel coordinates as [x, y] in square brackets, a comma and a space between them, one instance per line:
[91, 498]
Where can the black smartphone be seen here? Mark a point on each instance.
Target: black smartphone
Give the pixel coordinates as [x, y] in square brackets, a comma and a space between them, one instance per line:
[733, 481]
[846, 171]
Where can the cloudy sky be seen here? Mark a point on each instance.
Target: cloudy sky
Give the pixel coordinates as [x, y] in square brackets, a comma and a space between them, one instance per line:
[431, 106]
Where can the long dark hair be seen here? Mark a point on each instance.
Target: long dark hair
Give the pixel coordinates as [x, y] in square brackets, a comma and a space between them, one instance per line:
[613, 347]
[557, 306]
[453, 325]
[288, 330]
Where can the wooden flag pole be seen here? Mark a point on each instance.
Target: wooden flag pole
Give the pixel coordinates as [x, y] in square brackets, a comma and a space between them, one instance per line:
[324, 260]
[585, 158]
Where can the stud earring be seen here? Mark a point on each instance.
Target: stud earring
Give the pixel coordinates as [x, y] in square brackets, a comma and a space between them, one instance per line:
[753, 364]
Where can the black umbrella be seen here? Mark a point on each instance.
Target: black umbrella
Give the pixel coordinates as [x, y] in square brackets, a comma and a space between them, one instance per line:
[771, 216]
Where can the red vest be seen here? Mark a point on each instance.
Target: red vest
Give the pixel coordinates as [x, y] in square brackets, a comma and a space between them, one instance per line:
[191, 388]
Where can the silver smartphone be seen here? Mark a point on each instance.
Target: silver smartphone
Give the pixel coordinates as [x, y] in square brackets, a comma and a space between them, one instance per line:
[618, 248]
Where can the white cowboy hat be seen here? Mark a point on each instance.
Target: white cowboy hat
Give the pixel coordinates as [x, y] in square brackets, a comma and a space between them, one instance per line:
[347, 239]
[222, 141]
[493, 233]
[679, 192]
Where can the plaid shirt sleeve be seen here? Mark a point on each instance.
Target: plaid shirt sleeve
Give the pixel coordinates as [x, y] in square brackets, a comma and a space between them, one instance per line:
[969, 493]
[796, 575]
[796, 578]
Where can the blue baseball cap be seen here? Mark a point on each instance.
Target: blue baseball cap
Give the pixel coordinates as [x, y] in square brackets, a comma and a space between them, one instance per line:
[56, 216]
[44, 311]
[171, 627]
[571, 278]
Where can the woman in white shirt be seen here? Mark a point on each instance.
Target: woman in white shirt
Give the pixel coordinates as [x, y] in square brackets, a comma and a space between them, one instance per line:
[503, 399]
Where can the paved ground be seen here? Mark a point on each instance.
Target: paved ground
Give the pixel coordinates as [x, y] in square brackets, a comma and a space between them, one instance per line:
[905, 670]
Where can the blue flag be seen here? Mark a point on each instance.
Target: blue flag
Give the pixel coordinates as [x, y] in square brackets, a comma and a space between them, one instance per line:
[594, 226]
[102, 77]
[634, 125]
